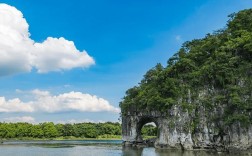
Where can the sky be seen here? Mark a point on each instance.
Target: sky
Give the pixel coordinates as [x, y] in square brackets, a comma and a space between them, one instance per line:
[72, 61]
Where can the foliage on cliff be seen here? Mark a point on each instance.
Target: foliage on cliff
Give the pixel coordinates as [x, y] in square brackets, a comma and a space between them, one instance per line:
[215, 71]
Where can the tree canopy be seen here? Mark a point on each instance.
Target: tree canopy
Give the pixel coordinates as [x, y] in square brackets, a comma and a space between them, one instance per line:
[218, 65]
[51, 130]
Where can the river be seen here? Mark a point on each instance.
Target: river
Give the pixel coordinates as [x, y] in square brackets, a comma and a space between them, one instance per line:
[87, 148]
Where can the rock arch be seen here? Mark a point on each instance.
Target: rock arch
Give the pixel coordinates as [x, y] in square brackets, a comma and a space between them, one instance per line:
[132, 125]
[142, 121]
[177, 130]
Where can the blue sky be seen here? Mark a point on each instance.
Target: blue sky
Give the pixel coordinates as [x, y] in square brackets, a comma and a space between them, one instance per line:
[123, 38]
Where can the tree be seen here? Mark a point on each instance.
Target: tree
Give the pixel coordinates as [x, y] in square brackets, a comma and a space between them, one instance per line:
[68, 130]
[49, 130]
[36, 131]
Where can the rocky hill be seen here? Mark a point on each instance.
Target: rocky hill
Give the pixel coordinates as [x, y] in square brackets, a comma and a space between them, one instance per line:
[202, 99]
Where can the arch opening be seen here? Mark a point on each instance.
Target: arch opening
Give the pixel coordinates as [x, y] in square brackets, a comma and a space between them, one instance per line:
[147, 131]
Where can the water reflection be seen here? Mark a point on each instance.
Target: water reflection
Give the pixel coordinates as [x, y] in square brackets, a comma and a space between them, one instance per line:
[132, 151]
[139, 151]
[88, 148]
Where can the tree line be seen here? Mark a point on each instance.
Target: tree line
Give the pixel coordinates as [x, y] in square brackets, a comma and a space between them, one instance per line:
[78, 130]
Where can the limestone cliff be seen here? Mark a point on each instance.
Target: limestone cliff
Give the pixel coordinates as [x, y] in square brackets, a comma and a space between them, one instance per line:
[202, 99]
[175, 131]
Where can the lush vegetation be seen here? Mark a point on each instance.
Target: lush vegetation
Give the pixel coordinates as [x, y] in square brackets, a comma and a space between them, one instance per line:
[49, 130]
[149, 131]
[215, 71]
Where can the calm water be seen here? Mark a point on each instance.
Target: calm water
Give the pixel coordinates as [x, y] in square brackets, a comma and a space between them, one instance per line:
[86, 148]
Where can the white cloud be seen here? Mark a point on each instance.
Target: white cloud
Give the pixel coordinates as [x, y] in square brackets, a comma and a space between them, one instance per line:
[14, 105]
[72, 121]
[32, 120]
[178, 38]
[58, 54]
[19, 53]
[28, 119]
[15, 43]
[45, 102]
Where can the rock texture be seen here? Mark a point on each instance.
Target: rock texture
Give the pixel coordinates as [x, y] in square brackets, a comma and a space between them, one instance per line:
[177, 130]
[202, 99]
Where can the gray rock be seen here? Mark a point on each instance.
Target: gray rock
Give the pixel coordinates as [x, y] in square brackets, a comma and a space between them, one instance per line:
[175, 131]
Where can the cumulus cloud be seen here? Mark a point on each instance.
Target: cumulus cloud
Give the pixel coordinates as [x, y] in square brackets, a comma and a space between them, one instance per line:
[14, 105]
[19, 53]
[59, 54]
[28, 119]
[45, 102]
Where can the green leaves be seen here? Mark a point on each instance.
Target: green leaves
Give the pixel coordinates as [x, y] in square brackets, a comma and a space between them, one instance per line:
[149, 130]
[241, 21]
[216, 70]
[49, 130]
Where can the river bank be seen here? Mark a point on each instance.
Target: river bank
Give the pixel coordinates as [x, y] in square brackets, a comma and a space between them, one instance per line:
[61, 138]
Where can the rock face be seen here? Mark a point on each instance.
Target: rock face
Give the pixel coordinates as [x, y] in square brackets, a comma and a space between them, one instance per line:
[177, 129]
[202, 99]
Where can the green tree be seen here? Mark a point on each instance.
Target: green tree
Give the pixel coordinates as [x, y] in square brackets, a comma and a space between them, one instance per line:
[36, 131]
[49, 130]
[68, 130]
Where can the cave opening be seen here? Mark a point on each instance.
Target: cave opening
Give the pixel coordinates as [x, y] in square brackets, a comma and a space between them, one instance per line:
[147, 131]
